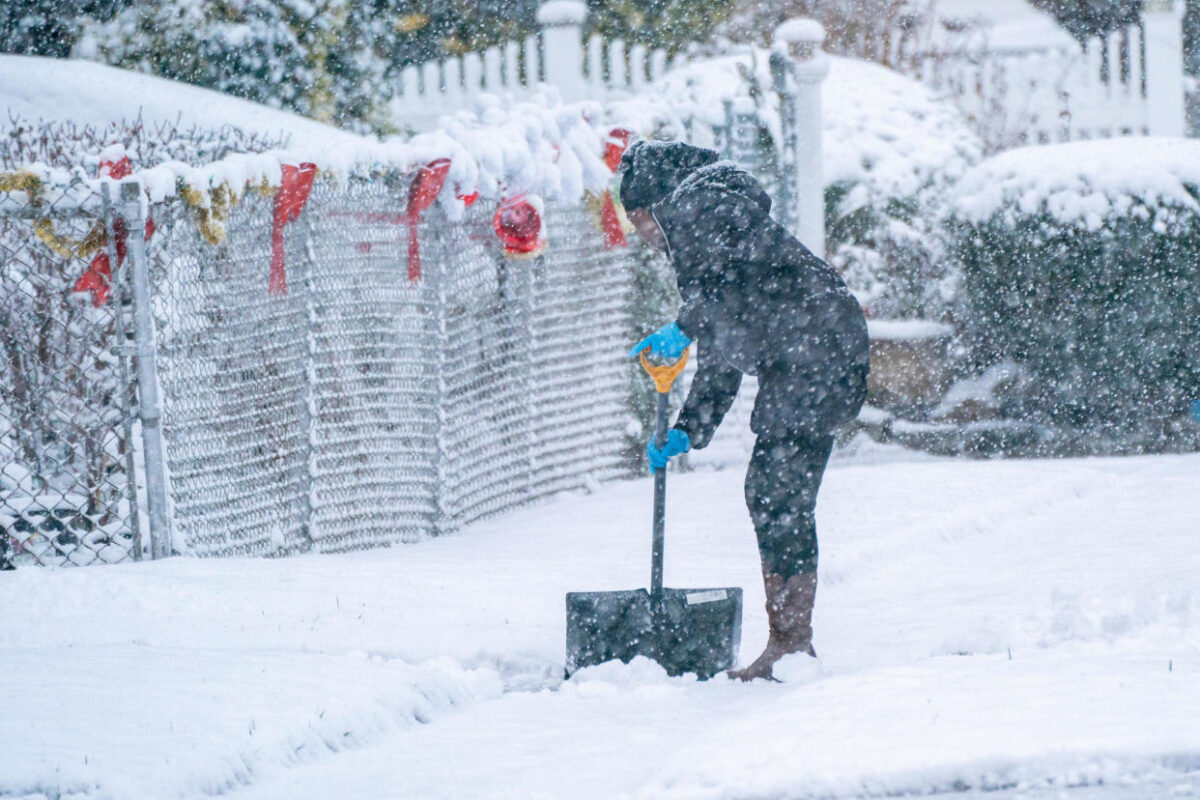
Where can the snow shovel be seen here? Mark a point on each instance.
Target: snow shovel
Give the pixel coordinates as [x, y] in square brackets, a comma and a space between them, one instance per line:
[684, 630]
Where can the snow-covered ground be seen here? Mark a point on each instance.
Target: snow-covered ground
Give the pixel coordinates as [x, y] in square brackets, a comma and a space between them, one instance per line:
[1016, 625]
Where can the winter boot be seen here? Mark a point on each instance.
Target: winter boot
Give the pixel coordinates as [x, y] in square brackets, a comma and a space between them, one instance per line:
[789, 610]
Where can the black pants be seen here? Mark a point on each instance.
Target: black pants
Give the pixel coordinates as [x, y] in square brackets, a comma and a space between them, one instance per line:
[781, 494]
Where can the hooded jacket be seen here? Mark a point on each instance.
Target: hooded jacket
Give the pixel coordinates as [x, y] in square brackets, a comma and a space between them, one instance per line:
[758, 302]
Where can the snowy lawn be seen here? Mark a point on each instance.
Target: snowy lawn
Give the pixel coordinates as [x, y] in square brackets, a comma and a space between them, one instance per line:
[1019, 624]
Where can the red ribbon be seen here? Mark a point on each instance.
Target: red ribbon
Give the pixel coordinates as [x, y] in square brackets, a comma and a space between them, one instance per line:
[421, 193]
[98, 278]
[289, 202]
[610, 221]
[614, 147]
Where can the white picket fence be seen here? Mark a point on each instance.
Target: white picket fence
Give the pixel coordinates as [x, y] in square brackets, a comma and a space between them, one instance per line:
[1128, 83]
[593, 69]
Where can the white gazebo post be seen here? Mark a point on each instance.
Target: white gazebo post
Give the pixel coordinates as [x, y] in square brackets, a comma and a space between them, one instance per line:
[562, 37]
[1163, 20]
[801, 40]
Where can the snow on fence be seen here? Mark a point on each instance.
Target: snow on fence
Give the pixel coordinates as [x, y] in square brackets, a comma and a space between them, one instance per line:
[1129, 82]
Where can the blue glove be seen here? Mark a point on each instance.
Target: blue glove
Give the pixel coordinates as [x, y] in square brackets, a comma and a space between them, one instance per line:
[1194, 410]
[667, 342]
[677, 442]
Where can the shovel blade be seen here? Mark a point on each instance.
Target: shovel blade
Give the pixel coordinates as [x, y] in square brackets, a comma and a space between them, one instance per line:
[684, 630]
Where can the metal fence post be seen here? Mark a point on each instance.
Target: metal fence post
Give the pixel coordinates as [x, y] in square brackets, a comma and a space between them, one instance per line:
[530, 385]
[118, 290]
[149, 407]
[434, 275]
[307, 284]
[787, 150]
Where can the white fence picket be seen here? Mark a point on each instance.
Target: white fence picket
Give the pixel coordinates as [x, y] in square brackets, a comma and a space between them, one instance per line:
[512, 54]
[533, 69]
[472, 74]
[492, 81]
[658, 64]
[595, 62]
[617, 76]
[637, 67]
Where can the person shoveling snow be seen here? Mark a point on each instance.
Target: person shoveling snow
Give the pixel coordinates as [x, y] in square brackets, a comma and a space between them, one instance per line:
[756, 302]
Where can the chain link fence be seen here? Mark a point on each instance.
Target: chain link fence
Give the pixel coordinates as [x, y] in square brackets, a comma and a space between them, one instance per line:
[362, 409]
[67, 443]
[357, 409]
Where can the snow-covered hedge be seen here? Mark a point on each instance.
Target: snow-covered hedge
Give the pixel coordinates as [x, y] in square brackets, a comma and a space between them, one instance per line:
[891, 152]
[1082, 262]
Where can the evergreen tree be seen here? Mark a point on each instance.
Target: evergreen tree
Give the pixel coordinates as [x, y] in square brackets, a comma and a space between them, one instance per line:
[672, 24]
[47, 27]
[244, 48]
[331, 60]
[431, 29]
[1087, 18]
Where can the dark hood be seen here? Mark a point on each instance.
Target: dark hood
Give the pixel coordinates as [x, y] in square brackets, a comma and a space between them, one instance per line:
[720, 207]
[650, 171]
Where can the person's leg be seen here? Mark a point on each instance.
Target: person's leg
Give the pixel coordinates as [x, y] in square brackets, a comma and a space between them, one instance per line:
[781, 495]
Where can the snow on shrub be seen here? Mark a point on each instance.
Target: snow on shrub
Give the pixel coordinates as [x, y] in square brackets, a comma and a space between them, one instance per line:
[65, 144]
[891, 151]
[1082, 262]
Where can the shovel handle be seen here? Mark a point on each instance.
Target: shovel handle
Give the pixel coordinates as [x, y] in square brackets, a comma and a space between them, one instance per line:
[663, 376]
[666, 374]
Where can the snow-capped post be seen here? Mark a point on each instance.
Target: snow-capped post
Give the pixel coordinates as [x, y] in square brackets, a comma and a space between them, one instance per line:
[801, 40]
[1163, 21]
[562, 36]
[133, 212]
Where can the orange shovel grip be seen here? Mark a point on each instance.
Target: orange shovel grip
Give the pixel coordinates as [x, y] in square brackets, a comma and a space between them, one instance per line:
[665, 375]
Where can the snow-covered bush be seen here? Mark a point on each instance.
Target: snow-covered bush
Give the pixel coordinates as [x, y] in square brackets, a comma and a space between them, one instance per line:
[891, 153]
[1082, 263]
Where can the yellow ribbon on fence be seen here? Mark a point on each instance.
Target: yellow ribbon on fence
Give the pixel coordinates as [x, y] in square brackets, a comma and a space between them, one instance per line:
[211, 211]
[22, 181]
[65, 246]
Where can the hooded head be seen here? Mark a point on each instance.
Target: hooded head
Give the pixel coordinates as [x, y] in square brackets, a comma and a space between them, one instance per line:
[650, 171]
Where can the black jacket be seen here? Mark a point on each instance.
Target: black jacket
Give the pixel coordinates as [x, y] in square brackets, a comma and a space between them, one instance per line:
[758, 302]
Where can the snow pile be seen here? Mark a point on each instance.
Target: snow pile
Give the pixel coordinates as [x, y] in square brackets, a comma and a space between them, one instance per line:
[1083, 184]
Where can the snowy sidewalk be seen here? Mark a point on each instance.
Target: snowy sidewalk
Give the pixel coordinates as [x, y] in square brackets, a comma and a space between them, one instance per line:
[981, 624]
